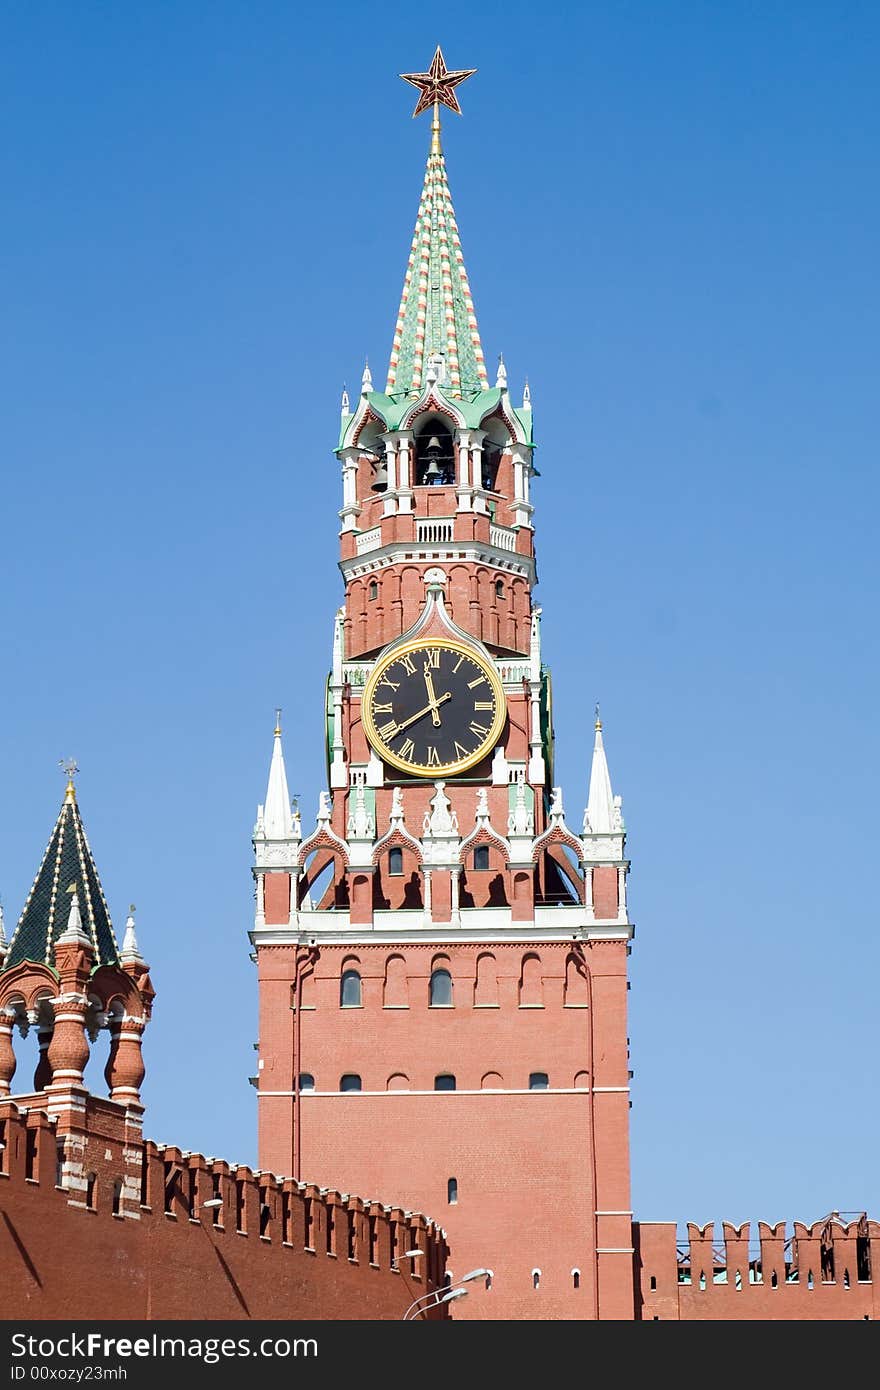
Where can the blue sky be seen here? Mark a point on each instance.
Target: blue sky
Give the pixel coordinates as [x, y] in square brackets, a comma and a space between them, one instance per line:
[669, 215]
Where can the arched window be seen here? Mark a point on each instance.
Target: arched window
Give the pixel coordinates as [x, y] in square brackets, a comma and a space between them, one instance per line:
[441, 989]
[536, 1278]
[395, 860]
[350, 990]
[117, 1197]
[539, 1081]
[306, 1081]
[481, 857]
[575, 1278]
[91, 1191]
[350, 1082]
[499, 588]
[452, 1191]
[444, 1082]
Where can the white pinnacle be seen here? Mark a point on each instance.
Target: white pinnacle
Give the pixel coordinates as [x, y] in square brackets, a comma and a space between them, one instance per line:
[501, 378]
[130, 949]
[599, 818]
[74, 929]
[366, 380]
[277, 816]
[3, 941]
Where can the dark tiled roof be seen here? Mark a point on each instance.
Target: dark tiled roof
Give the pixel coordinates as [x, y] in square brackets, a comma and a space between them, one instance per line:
[68, 859]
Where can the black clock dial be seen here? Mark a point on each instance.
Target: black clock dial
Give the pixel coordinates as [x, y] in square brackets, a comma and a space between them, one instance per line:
[433, 708]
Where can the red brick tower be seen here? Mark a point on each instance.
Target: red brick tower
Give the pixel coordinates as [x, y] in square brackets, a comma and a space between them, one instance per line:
[442, 960]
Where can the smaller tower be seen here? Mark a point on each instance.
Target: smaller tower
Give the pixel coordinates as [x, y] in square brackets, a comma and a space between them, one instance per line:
[63, 974]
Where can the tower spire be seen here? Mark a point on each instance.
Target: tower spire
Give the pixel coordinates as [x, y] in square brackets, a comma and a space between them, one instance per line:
[436, 316]
[600, 815]
[277, 816]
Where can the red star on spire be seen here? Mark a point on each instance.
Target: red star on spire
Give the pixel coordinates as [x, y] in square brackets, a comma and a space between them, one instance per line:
[437, 84]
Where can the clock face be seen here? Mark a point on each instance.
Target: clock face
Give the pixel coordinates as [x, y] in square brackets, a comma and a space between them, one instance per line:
[433, 708]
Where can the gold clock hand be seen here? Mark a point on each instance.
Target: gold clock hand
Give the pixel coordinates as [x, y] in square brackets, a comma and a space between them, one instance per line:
[429, 682]
[418, 714]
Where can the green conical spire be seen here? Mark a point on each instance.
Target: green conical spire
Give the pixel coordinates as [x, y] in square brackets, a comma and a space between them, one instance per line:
[67, 864]
[436, 315]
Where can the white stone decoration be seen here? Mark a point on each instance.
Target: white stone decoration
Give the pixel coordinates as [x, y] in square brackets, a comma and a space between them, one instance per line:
[521, 820]
[440, 838]
[360, 822]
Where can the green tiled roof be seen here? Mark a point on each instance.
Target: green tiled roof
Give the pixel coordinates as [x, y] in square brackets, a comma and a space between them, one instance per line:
[68, 860]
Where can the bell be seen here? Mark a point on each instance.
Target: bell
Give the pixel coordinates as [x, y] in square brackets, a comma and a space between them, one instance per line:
[433, 446]
[433, 469]
[380, 482]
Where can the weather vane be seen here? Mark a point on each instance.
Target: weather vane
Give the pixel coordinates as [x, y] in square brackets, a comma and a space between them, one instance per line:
[437, 86]
[70, 768]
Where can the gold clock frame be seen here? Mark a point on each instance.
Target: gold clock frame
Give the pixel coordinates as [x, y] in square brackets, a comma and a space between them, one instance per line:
[444, 769]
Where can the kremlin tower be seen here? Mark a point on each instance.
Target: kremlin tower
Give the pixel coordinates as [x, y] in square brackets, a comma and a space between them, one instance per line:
[442, 957]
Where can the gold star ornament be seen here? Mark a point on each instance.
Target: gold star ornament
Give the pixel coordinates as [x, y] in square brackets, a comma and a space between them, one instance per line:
[437, 85]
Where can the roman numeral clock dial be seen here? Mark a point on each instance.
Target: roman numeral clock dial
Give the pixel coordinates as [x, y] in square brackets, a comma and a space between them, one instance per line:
[433, 708]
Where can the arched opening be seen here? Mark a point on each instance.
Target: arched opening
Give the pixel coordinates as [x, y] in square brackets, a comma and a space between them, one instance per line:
[373, 472]
[306, 1081]
[323, 883]
[435, 454]
[491, 454]
[395, 861]
[452, 1191]
[350, 1081]
[444, 1081]
[539, 1081]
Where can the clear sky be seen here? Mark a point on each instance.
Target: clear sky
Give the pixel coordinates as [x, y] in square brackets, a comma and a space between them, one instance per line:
[669, 215]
